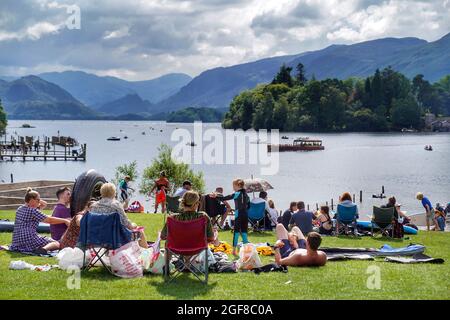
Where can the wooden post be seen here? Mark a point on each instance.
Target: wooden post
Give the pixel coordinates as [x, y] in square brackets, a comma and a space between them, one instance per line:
[382, 189]
[332, 204]
[317, 206]
[360, 196]
[12, 178]
[354, 198]
[307, 207]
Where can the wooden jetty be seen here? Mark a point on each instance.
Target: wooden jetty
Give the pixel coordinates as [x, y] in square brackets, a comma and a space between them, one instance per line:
[34, 149]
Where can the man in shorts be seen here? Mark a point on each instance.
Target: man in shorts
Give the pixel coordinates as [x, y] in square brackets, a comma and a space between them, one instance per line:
[293, 249]
[429, 211]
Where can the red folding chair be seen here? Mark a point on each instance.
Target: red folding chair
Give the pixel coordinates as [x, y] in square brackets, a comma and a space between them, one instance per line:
[186, 240]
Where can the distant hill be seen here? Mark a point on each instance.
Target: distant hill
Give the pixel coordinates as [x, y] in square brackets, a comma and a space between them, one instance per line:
[129, 104]
[31, 97]
[95, 91]
[410, 56]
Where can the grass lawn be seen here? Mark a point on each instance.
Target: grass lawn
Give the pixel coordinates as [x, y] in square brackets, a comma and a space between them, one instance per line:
[337, 280]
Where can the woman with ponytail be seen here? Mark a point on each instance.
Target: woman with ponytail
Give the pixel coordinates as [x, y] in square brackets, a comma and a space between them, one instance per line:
[28, 216]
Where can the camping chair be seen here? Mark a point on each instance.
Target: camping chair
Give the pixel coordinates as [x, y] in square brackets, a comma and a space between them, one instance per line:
[173, 204]
[345, 218]
[256, 214]
[186, 240]
[383, 218]
[214, 209]
[101, 233]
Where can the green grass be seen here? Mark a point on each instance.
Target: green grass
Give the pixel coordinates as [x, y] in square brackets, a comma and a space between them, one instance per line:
[337, 280]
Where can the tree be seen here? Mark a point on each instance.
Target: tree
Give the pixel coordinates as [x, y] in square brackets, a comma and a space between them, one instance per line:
[405, 113]
[284, 76]
[3, 121]
[300, 76]
[376, 90]
[176, 172]
[262, 119]
[280, 113]
[363, 120]
[427, 96]
[442, 89]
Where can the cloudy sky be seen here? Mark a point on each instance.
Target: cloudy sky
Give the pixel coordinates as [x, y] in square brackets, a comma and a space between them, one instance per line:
[143, 39]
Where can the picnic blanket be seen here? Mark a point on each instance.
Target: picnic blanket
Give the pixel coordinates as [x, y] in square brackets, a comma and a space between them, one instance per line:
[49, 254]
[335, 254]
[416, 258]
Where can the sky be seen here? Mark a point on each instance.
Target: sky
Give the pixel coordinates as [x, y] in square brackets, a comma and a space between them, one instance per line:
[144, 39]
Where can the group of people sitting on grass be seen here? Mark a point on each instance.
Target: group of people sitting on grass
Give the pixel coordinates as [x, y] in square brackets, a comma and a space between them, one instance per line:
[292, 248]
[298, 230]
[64, 228]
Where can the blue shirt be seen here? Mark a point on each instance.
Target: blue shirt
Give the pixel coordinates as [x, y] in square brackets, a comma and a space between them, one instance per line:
[426, 201]
[303, 220]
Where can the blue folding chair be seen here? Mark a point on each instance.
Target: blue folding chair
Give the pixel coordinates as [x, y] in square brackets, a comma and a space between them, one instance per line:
[101, 233]
[346, 217]
[256, 214]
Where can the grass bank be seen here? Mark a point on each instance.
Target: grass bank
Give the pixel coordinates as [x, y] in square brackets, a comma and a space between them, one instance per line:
[337, 280]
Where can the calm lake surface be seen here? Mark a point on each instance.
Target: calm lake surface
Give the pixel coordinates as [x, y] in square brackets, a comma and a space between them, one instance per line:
[350, 162]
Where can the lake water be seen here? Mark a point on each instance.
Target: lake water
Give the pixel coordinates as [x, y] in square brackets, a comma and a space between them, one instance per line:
[350, 162]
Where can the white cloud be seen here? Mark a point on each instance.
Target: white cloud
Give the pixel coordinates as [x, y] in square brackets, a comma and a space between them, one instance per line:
[140, 39]
[35, 32]
[119, 33]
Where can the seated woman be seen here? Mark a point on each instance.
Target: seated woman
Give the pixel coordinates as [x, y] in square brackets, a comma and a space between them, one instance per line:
[346, 201]
[190, 203]
[25, 235]
[272, 215]
[392, 202]
[325, 223]
[70, 237]
[108, 204]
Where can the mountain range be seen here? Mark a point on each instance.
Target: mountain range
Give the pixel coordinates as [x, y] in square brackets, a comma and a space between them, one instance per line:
[95, 91]
[410, 56]
[31, 97]
[76, 94]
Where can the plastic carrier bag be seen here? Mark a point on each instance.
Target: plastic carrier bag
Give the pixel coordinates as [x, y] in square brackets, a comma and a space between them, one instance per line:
[199, 260]
[69, 257]
[125, 261]
[248, 257]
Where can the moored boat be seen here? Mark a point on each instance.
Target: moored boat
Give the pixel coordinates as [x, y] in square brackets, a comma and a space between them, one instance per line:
[299, 144]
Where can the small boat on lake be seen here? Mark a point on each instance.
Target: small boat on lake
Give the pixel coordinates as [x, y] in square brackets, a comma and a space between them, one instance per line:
[428, 148]
[285, 137]
[113, 139]
[299, 144]
[192, 144]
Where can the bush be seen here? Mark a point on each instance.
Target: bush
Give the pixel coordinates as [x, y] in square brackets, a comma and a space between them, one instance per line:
[176, 172]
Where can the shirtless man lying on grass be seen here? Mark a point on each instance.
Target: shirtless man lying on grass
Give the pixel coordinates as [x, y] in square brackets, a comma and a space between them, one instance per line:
[292, 249]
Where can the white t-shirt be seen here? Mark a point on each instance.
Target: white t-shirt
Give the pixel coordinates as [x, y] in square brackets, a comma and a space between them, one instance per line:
[273, 216]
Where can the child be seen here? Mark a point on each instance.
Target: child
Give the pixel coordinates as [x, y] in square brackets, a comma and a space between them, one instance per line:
[241, 205]
[161, 186]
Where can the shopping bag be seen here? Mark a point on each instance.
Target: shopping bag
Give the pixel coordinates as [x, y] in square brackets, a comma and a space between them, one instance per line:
[248, 257]
[125, 261]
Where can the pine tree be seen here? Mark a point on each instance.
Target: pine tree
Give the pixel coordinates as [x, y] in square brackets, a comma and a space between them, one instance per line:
[301, 77]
